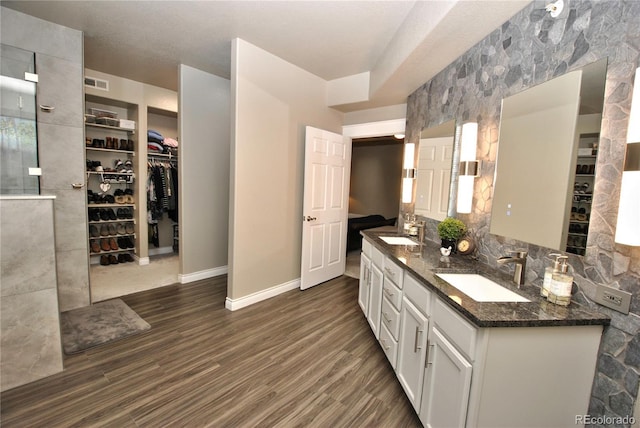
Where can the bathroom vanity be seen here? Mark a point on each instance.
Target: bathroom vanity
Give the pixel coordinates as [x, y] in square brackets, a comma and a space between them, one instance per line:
[507, 358]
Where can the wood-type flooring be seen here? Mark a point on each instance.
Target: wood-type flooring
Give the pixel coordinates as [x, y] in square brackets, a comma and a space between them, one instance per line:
[301, 359]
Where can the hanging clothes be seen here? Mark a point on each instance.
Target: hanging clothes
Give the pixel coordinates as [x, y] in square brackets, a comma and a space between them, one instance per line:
[162, 195]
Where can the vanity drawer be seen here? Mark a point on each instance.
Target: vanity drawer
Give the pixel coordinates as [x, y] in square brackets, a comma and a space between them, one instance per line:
[389, 345]
[393, 272]
[391, 292]
[366, 247]
[390, 318]
[461, 333]
[417, 293]
[377, 257]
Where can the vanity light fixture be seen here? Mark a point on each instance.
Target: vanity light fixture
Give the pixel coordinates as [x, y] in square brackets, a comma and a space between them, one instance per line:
[408, 172]
[628, 227]
[469, 167]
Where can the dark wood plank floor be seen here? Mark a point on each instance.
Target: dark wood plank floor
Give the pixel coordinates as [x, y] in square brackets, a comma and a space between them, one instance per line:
[304, 358]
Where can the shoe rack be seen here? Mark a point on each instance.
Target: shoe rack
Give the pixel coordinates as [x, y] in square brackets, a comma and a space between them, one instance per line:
[110, 143]
[580, 215]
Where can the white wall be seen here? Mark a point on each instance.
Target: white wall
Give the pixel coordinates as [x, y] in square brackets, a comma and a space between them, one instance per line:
[272, 102]
[204, 173]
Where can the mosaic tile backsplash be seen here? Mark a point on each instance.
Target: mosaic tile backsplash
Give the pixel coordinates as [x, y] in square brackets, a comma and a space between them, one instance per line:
[529, 49]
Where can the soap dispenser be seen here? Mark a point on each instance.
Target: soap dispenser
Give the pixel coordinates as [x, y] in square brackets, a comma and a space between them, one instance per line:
[561, 284]
[548, 272]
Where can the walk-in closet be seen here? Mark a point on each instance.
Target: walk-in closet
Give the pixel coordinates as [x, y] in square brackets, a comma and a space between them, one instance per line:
[132, 154]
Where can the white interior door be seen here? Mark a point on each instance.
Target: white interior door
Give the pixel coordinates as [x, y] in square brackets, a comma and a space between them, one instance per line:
[434, 177]
[325, 205]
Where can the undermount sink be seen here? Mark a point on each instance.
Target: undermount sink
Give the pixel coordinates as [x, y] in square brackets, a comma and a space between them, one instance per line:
[398, 240]
[481, 289]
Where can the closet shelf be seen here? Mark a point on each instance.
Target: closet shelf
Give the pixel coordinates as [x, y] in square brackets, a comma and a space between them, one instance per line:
[111, 236]
[120, 220]
[119, 250]
[110, 205]
[113, 128]
[98, 149]
[109, 173]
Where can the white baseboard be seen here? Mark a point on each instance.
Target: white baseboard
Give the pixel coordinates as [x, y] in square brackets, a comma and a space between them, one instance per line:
[142, 261]
[243, 302]
[203, 274]
[161, 250]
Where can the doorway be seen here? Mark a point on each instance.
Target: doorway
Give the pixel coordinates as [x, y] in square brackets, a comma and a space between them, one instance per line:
[374, 195]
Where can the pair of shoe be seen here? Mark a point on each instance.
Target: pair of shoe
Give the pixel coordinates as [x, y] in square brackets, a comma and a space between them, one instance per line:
[103, 244]
[112, 143]
[126, 242]
[124, 213]
[585, 169]
[107, 214]
[101, 214]
[124, 197]
[111, 259]
[92, 165]
[97, 143]
[127, 145]
[105, 230]
[125, 229]
[122, 167]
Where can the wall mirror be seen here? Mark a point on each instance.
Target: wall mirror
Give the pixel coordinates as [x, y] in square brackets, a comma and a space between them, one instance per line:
[547, 153]
[435, 158]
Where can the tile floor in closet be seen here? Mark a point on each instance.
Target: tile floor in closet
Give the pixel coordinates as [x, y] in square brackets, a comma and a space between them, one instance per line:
[118, 280]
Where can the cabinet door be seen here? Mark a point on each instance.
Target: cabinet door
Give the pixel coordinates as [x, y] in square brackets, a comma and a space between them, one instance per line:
[412, 346]
[446, 385]
[364, 286]
[375, 299]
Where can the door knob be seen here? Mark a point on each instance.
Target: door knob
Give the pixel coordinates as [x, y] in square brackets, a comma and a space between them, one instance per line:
[309, 218]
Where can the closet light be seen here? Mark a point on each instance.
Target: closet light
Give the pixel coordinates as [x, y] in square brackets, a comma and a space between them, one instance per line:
[469, 167]
[628, 226]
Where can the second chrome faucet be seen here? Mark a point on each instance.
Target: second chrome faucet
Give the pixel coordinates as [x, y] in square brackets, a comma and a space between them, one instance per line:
[519, 258]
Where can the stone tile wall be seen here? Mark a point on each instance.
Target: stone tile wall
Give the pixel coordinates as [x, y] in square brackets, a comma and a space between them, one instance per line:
[30, 347]
[529, 49]
[59, 64]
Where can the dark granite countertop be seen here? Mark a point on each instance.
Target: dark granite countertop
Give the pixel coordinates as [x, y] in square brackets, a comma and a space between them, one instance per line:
[425, 261]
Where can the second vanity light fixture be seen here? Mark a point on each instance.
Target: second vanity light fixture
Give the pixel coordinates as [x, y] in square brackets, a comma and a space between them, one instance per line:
[469, 167]
[628, 227]
[408, 172]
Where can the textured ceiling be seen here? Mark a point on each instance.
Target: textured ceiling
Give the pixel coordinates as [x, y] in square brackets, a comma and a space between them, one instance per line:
[147, 40]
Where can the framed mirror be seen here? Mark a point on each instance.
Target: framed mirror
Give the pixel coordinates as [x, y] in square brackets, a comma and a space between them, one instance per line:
[435, 159]
[547, 154]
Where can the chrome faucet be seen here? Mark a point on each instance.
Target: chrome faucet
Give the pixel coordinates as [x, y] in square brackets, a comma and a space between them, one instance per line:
[520, 260]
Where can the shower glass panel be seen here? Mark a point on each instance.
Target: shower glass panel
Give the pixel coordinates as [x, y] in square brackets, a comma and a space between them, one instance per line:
[18, 136]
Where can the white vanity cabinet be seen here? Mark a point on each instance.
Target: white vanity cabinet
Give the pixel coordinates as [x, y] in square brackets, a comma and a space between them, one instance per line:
[390, 310]
[505, 376]
[365, 276]
[412, 343]
[375, 299]
[501, 370]
[447, 381]
[364, 285]
[375, 278]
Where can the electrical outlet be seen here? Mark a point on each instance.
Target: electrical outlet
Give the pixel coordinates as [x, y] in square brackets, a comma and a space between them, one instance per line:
[613, 298]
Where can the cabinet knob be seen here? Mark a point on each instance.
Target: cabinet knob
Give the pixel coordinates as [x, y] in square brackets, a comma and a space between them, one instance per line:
[77, 185]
